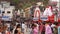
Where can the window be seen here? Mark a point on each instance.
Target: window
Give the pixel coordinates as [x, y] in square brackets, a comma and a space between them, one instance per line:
[3, 11]
[0, 11]
[8, 11]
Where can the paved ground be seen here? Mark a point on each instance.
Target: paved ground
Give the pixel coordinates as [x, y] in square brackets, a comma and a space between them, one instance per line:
[29, 31]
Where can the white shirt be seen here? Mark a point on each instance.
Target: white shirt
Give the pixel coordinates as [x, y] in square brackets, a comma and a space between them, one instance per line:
[23, 26]
[53, 25]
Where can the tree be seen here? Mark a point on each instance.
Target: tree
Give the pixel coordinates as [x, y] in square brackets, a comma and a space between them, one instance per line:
[45, 2]
[16, 2]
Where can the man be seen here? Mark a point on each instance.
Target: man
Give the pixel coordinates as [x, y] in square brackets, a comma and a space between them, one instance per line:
[24, 27]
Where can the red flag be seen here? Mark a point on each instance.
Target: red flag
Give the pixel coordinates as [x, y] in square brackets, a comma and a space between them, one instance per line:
[51, 18]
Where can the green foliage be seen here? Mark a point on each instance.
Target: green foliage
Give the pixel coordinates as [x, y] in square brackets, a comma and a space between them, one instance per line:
[32, 0]
[26, 5]
[16, 1]
[45, 2]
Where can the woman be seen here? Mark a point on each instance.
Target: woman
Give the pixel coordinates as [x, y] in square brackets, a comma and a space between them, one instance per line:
[18, 29]
[35, 30]
[48, 29]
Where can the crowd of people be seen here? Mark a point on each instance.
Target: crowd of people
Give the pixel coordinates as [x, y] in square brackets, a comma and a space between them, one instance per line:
[46, 28]
[33, 28]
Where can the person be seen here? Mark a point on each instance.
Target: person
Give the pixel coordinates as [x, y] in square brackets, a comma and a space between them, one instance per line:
[32, 27]
[48, 29]
[42, 28]
[37, 25]
[0, 32]
[13, 31]
[59, 28]
[18, 29]
[23, 27]
[52, 27]
[7, 31]
[55, 28]
[11, 28]
[35, 30]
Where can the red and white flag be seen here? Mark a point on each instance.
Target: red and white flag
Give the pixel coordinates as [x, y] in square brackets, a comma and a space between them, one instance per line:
[48, 12]
[36, 14]
[51, 17]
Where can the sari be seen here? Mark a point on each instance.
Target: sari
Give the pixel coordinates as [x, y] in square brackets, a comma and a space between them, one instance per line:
[48, 30]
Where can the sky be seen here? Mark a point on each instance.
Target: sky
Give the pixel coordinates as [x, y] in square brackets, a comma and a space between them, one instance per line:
[55, 0]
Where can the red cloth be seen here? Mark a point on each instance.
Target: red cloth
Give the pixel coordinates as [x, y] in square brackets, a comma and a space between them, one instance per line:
[58, 20]
[51, 18]
[41, 28]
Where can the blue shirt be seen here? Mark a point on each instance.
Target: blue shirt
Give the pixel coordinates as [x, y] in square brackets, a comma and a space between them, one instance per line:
[59, 30]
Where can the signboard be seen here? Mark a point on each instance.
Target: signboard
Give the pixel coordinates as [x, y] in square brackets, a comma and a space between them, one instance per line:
[44, 18]
[35, 19]
[6, 18]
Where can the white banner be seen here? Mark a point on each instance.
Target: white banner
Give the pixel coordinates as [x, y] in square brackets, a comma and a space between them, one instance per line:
[6, 18]
[35, 19]
[44, 18]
